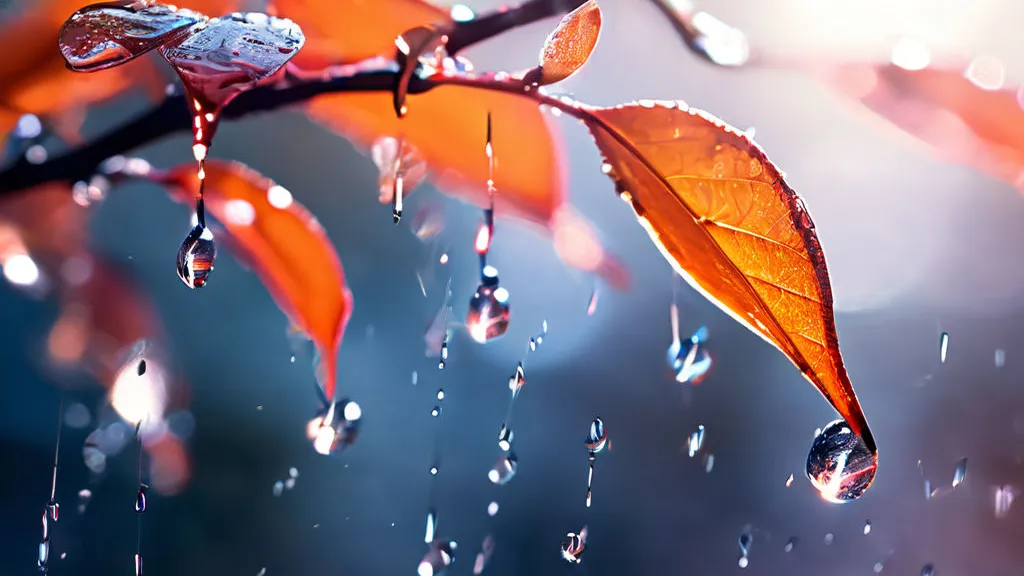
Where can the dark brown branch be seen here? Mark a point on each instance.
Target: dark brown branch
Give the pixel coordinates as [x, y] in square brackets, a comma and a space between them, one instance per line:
[171, 115]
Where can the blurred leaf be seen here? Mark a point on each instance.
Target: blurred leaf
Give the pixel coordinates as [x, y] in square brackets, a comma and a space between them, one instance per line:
[960, 120]
[570, 44]
[721, 213]
[283, 243]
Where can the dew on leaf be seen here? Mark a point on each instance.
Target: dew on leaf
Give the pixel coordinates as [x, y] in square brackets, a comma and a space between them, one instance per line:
[195, 257]
[573, 546]
[504, 469]
[335, 428]
[489, 311]
[840, 465]
[439, 556]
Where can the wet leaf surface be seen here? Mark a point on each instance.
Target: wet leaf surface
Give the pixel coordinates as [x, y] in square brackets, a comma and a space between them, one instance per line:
[282, 243]
[570, 44]
[722, 214]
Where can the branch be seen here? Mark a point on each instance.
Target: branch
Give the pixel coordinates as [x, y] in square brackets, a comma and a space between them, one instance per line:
[171, 115]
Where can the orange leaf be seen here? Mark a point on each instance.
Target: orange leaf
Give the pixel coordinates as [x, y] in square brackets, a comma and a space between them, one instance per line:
[347, 31]
[569, 46]
[285, 245]
[448, 126]
[723, 216]
[961, 121]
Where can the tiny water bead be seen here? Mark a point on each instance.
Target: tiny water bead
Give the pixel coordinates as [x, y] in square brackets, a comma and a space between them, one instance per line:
[435, 411]
[517, 381]
[1004, 497]
[140, 500]
[690, 360]
[840, 465]
[960, 473]
[790, 544]
[504, 470]
[138, 565]
[505, 437]
[696, 441]
[867, 527]
[489, 311]
[195, 257]
[335, 428]
[439, 556]
[574, 545]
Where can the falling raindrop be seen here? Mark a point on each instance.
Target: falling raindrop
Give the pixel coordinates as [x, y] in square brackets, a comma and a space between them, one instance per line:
[138, 565]
[867, 527]
[504, 469]
[696, 441]
[44, 555]
[744, 542]
[943, 346]
[517, 381]
[505, 436]
[928, 570]
[592, 304]
[482, 557]
[492, 508]
[195, 257]
[1004, 496]
[488, 315]
[789, 481]
[790, 544]
[140, 500]
[435, 411]
[335, 428]
[597, 441]
[574, 545]
[439, 556]
[840, 465]
[431, 527]
[829, 538]
[960, 473]
[690, 360]
[401, 171]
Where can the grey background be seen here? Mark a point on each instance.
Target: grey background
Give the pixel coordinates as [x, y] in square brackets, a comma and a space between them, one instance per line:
[915, 248]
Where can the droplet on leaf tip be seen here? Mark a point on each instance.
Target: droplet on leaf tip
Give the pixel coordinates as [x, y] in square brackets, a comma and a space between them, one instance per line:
[196, 256]
[840, 465]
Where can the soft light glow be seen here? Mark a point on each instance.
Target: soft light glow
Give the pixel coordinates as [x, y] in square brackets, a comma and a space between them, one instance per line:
[279, 197]
[911, 55]
[324, 440]
[352, 412]
[239, 212]
[21, 270]
[987, 73]
[425, 569]
[462, 13]
[140, 398]
[483, 239]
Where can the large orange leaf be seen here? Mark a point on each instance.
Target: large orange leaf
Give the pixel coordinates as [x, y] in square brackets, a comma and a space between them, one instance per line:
[722, 214]
[283, 243]
[448, 126]
[959, 119]
[36, 79]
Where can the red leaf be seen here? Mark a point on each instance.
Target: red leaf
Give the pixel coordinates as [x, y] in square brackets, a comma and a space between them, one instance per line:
[569, 46]
[283, 243]
[722, 214]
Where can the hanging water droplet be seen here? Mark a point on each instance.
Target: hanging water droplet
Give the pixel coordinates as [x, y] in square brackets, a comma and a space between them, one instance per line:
[489, 311]
[46, 525]
[505, 436]
[195, 257]
[401, 167]
[690, 359]
[431, 527]
[743, 562]
[443, 361]
[335, 428]
[790, 544]
[138, 565]
[696, 441]
[840, 465]
[574, 545]
[1004, 496]
[140, 500]
[517, 381]
[44, 555]
[435, 411]
[928, 570]
[789, 481]
[597, 439]
[53, 509]
[867, 527]
[960, 473]
[439, 556]
[943, 346]
[744, 542]
[504, 470]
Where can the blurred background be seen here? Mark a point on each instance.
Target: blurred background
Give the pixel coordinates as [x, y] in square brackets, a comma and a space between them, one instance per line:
[916, 247]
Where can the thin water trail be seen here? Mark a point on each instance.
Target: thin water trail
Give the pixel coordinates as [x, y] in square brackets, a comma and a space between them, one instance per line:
[51, 513]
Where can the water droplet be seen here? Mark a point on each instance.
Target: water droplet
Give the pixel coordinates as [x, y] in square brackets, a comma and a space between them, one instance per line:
[289, 483]
[401, 167]
[335, 428]
[415, 377]
[960, 474]
[28, 127]
[696, 441]
[1004, 496]
[592, 304]
[492, 508]
[482, 557]
[435, 411]
[431, 527]
[138, 565]
[140, 500]
[46, 525]
[462, 13]
[867, 527]
[105, 35]
[440, 394]
[195, 257]
[293, 472]
[790, 544]
[443, 361]
[878, 567]
[928, 570]
[743, 562]
[505, 437]
[433, 470]
[709, 463]
[36, 154]
[829, 538]
[744, 542]
[574, 545]
[278, 488]
[597, 439]
[943, 346]
[53, 509]
[690, 359]
[489, 311]
[840, 465]
[504, 470]
[517, 381]
[439, 556]
[44, 554]
[1000, 357]
[789, 481]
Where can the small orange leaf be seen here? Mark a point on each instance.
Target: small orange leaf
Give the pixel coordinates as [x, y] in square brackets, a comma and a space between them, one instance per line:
[283, 243]
[448, 126]
[569, 46]
[960, 120]
[722, 214]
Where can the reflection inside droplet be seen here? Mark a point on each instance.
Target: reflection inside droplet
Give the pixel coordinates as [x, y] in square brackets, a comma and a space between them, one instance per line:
[489, 312]
[195, 257]
[335, 428]
[840, 465]
[439, 556]
[690, 359]
[573, 546]
[504, 470]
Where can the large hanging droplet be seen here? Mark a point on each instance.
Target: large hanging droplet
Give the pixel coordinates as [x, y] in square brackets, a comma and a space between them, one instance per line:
[840, 465]
[597, 439]
[439, 556]
[504, 470]
[488, 314]
[138, 565]
[335, 428]
[195, 257]
[690, 359]
[401, 171]
[573, 546]
[105, 35]
[140, 500]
